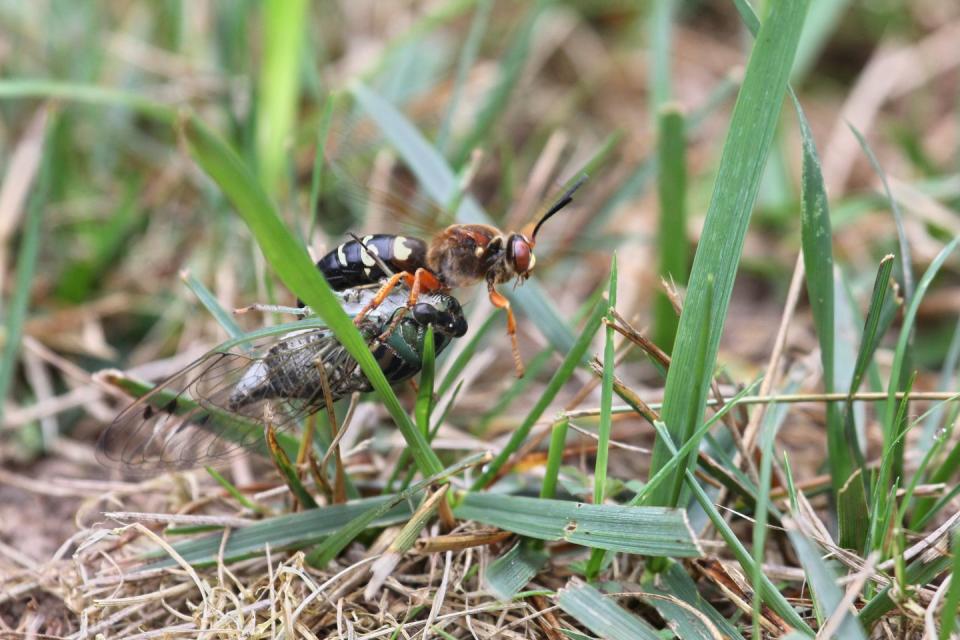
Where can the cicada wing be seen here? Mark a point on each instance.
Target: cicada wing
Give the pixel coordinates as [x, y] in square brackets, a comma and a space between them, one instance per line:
[217, 407]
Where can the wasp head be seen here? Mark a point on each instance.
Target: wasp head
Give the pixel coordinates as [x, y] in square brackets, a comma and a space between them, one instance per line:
[519, 252]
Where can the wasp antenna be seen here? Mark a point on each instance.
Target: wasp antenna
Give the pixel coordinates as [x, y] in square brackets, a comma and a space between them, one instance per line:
[564, 200]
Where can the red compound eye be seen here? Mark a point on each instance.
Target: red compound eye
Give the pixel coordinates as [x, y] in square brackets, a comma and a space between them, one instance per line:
[521, 254]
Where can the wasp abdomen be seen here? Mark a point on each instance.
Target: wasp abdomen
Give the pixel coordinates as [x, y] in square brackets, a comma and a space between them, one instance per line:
[351, 265]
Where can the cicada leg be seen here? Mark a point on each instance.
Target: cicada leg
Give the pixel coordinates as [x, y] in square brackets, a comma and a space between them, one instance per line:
[500, 302]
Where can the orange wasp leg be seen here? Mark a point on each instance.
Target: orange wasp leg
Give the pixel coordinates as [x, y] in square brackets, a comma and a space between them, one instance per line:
[383, 292]
[422, 279]
[500, 302]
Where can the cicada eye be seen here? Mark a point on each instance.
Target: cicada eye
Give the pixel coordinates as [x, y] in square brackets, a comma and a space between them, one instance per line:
[520, 254]
[424, 313]
[458, 326]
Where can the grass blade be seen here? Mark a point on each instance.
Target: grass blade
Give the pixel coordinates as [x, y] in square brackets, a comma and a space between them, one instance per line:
[676, 582]
[602, 615]
[823, 583]
[606, 419]
[26, 266]
[651, 531]
[212, 305]
[290, 531]
[817, 240]
[558, 439]
[672, 241]
[893, 435]
[773, 420]
[279, 86]
[748, 143]
[424, 405]
[906, 270]
[951, 605]
[498, 98]
[511, 572]
[771, 595]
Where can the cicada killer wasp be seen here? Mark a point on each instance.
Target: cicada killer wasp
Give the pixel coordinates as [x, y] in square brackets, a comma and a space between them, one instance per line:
[460, 255]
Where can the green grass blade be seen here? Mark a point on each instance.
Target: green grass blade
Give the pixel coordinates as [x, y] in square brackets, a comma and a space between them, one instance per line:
[320, 162]
[672, 241]
[26, 265]
[951, 605]
[210, 303]
[772, 422]
[230, 488]
[468, 57]
[574, 357]
[651, 531]
[296, 269]
[423, 408]
[499, 97]
[661, 31]
[602, 615]
[278, 89]
[606, 417]
[290, 531]
[874, 326]
[771, 595]
[89, 94]
[558, 441]
[906, 270]
[676, 582]
[892, 432]
[511, 572]
[826, 592]
[749, 138]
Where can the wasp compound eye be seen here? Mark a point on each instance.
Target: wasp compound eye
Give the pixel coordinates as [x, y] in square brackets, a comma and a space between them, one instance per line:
[424, 313]
[520, 254]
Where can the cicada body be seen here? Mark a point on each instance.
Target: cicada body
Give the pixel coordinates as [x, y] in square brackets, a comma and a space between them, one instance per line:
[219, 405]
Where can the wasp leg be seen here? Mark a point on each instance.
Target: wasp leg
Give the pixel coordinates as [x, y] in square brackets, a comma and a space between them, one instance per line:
[423, 280]
[384, 291]
[500, 302]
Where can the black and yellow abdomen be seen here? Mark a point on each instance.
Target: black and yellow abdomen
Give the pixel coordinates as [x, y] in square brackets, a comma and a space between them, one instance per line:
[351, 265]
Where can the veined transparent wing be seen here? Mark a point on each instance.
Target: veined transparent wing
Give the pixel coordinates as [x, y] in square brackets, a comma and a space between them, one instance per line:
[218, 406]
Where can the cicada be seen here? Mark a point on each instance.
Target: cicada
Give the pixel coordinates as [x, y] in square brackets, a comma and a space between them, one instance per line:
[220, 404]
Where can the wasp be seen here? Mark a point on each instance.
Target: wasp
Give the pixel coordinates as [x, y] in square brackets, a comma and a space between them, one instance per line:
[460, 255]
[220, 404]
